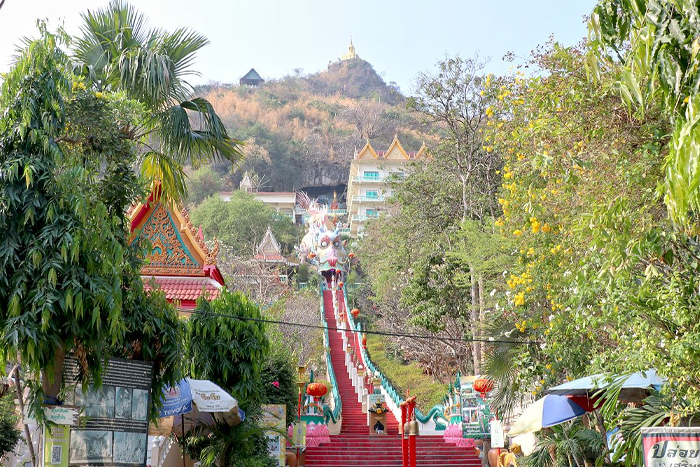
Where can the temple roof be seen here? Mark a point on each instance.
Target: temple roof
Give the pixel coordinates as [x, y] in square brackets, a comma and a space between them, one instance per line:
[395, 151]
[183, 291]
[269, 250]
[174, 251]
[252, 74]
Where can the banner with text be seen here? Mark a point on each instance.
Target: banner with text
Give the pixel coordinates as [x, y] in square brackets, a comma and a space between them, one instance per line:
[671, 446]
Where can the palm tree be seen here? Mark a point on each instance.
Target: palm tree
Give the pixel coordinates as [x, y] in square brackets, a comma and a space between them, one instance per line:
[566, 444]
[117, 52]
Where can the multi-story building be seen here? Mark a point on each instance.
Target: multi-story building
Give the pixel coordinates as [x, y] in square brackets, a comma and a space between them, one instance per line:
[284, 202]
[368, 189]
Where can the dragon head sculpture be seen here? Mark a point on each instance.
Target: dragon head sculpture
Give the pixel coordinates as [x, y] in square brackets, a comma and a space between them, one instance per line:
[322, 245]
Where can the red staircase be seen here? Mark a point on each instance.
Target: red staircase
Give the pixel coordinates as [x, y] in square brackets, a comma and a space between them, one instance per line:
[354, 447]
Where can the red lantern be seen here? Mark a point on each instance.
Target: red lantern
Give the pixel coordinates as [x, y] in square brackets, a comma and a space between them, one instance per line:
[355, 312]
[340, 285]
[351, 255]
[483, 385]
[364, 341]
[316, 389]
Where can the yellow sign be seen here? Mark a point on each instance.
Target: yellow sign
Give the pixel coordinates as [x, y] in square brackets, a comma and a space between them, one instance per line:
[299, 434]
[56, 445]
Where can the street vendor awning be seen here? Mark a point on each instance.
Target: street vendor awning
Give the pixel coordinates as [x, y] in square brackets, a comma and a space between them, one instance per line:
[631, 384]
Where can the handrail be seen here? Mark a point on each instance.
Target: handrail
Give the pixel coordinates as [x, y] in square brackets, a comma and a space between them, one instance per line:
[433, 414]
[328, 414]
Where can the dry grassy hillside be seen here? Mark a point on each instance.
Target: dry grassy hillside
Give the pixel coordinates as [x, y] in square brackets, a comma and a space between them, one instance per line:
[312, 124]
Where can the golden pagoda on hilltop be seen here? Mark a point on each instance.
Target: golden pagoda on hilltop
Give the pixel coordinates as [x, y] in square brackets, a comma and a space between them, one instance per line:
[351, 52]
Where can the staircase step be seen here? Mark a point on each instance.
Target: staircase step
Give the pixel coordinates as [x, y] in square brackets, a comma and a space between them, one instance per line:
[354, 446]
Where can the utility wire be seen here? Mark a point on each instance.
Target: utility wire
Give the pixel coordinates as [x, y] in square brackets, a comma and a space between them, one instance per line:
[379, 333]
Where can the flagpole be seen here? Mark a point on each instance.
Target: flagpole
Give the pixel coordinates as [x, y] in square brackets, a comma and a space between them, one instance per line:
[184, 439]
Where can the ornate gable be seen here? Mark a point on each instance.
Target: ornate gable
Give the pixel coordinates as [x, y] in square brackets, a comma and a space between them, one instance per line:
[396, 151]
[366, 152]
[173, 247]
[167, 254]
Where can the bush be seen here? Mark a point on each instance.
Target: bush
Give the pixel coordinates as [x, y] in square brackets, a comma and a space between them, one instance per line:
[9, 435]
[406, 376]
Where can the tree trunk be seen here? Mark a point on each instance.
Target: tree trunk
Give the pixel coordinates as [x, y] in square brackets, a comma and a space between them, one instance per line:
[51, 382]
[474, 315]
[482, 317]
[20, 398]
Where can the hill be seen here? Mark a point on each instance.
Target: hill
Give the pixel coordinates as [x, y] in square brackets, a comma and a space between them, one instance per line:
[302, 131]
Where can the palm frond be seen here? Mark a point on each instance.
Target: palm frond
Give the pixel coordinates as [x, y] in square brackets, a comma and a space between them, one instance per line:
[181, 46]
[196, 146]
[166, 171]
[107, 32]
[500, 366]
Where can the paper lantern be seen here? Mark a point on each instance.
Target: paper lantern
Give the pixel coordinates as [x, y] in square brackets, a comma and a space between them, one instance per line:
[316, 389]
[483, 385]
[355, 312]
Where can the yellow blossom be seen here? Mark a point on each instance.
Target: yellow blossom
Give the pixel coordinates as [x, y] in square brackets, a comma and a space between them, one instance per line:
[517, 232]
[519, 299]
[99, 95]
[546, 228]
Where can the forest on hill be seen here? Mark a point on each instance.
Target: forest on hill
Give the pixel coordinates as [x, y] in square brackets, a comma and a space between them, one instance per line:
[302, 130]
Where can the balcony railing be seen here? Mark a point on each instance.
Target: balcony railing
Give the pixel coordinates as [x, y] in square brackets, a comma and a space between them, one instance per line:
[363, 217]
[361, 179]
[339, 212]
[361, 199]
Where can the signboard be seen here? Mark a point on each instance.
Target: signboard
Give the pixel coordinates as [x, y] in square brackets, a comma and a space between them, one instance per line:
[372, 399]
[668, 447]
[275, 418]
[177, 400]
[113, 428]
[62, 414]
[497, 439]
[56, 443]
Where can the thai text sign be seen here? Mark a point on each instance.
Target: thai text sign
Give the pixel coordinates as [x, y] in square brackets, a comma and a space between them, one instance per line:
[671, 447]
[62, 414]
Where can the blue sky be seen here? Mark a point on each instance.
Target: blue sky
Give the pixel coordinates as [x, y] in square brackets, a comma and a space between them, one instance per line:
[399, 37]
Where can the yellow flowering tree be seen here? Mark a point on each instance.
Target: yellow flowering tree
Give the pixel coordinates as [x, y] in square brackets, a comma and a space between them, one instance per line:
[579, 200]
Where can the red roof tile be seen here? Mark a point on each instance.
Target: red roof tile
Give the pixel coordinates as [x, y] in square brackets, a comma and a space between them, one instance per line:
[183, 289]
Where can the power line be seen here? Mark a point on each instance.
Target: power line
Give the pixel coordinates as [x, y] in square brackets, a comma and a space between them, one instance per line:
[379, 333]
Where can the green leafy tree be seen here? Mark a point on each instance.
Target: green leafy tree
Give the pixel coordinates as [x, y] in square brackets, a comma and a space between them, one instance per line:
[61, 254]
[656, 43]
[225, 344]
[241, 223]
[70, 284]
[203, 183]
[606, 280]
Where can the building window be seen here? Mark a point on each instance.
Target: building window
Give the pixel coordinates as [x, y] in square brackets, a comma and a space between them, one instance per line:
[371, 213]
[372, 175]
[372, 194]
